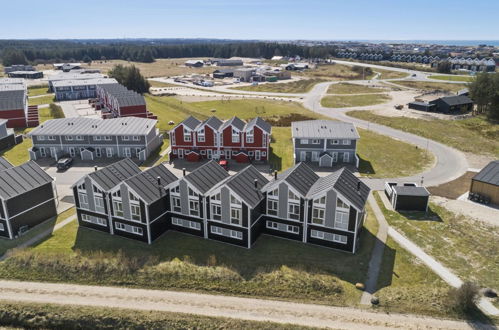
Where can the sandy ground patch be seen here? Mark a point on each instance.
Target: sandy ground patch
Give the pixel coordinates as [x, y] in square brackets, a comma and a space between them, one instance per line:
[470, 210]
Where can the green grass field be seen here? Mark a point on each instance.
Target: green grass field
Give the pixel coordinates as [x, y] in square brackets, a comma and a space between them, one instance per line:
[41, 100]
[20, 315]
[475, 135]
[274, 267]
[452, 240]
[299, 86]
[334, 72]
[452, 78]
[347, 88]
[154, 83]
[430, 86]
[346, 101]
[389, 74]
[38, 90]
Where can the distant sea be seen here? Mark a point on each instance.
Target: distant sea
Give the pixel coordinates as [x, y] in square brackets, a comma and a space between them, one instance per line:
[440, 42]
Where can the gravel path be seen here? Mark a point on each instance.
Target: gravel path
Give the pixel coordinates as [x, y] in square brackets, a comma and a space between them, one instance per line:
[218, 306]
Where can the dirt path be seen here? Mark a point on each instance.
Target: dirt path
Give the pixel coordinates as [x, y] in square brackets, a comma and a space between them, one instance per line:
[218, 306]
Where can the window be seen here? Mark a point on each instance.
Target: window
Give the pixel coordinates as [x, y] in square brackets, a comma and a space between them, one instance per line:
[2, 228]
[216, 212]
[107, 138]
[128, 152]
[69, 138]
[109, 152]
[236, 234]
[216, 197]
[135, 211]
[187, 135]
[272, 225]
[186, 223]
[251, 153]
[216, 230]
[335, 141]
[235, 136]
[346, 157]
[346, 142]
[99, 204]
[318, 216]
[320, 200]
[175, 190]
[272, 207]
[304, 141]
[117, 204]
[317, 234]
[201, 137]
[341, 220]
[94, 220]
[235, 216]
[294, 211]
[125, 138]
[41, 138]
[128, 228]
[273, 194]
[292, 229]
[341, 204]
[315, 141]
[136, 138]
[264, 140]
[79, 138]
[192, 193]
[97, 138]
[176, 204]
[51, 138]
[315, 156]
[340, 238]
[194, 207]
[203, 152]
[293, 196]
[250, 137]
[234, 200]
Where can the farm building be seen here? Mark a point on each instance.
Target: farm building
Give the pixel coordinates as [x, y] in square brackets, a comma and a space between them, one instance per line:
[223, 73]
[407, 196]
[18, 67]
[486, 182]
[227, 62]
[66, 67]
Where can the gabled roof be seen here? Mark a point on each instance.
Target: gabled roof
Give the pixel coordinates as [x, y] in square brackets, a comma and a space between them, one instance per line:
[12, 99]
[207, 176]
[5, 164]
[258, 121]
[234, 121]
[112, 175]
[18, 180]
[301, 177]
[489, 174]
[213, 122]
[323, 129]
[146, 183]
[243, 184]
[190, 122]
[456, 100]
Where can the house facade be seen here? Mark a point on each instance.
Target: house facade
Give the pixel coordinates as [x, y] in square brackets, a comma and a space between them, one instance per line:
[193, 139]
[117, 101]
[14, 104]
[325, 143]
[209, 203]
[81, 86]
[89, 139]
[27, 198]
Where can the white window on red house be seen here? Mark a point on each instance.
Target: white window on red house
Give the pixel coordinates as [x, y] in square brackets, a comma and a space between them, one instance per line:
[201, 137]
[235, 136]
[249, 137]
[187, 135]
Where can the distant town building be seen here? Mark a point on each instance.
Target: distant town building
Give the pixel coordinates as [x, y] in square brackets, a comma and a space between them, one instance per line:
[18, 67]
[26, 74]
[66, 67]
[194, 63]
[78, 89]
[117, 101]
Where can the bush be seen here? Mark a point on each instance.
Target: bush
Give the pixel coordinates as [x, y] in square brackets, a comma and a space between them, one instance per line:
[464, 298]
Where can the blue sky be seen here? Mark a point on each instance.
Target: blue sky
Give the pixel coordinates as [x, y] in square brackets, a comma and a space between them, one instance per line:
[256, 19]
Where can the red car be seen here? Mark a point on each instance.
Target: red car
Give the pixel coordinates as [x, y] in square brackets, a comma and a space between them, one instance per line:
[224, 164]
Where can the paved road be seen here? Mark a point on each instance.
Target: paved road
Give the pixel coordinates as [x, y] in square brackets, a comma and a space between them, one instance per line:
[219, 306]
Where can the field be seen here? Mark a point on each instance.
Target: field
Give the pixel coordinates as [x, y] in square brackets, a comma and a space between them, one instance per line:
[346, 101]
[274, 267]
[347, 88]
[334, 72]
[389, 74]
[452, 240]
[43, 316]
[154, 83]
[452, 78]
[38, 90]
[475, 135]
[39, 100]
[299, 86]
[160, 68]
[430, 86]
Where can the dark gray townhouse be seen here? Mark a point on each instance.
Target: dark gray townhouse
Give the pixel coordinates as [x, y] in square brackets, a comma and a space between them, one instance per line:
[122, 200]
[27, 198]
[325, 143]
[89, 139]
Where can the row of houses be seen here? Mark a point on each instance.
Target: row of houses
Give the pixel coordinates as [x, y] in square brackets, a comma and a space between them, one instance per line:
[18, 67]
[91, 139]
[116, 100]
[470, 64]
[213, 138]
[14, 104]
[297, 204]
[27, 198]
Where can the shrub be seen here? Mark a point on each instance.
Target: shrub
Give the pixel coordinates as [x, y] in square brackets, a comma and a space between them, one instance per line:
[464, 298]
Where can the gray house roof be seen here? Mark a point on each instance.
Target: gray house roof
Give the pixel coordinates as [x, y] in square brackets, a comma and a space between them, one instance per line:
[213, 122]
[12, 99]
[124, 96]
[146, 183]
[456, 100]
[489, 174]
[190, 122]
[301, 177]
[5, 164]
[323, 129]
[207, 176]
[234, 121]
[112, 175]
[90, 126]
[411, 191]
[258, 121]
[18, 180]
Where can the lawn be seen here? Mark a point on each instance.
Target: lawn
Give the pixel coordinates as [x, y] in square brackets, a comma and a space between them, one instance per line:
[347, 88]
[51, 316]
[38, 90]
[273, 267]
[465, 246]
[453, 78]
[430, 86]
[6, 244]
[39, 100]
[475, 135]
[346, 101]
[389, 74]
[164, 67]
[18, 154]
[334, 72]
[155, 83]
[298, 86]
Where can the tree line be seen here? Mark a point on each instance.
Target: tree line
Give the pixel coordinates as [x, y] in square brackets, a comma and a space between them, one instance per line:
[484, 90]
[50, 51]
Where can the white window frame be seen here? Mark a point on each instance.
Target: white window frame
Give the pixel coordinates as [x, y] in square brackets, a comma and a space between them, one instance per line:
[250, 138]
[97, 138]
[176, 204]
[274, 210]
[201, 135]
[317, 219]
[304, 141]
[335, 142]
[69, 138]
[125, 138]
[187, 135]
[346, 157]
[99, 203]
[41, 138]
[346, 142]
[236, 234]
[315, 156]
[316, 141]
[216, 216]
[340, 239]
[235, 136]
[136, 138]
[216, 230]
[341, 220]
[317, 234]
[79, 138]
[109, 152]
[235, 220]
[194, 211]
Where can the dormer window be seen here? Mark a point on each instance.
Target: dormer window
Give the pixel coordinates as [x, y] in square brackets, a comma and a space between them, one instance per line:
[175, 190]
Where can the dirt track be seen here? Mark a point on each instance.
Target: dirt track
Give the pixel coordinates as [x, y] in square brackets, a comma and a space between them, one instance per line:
[218, 306]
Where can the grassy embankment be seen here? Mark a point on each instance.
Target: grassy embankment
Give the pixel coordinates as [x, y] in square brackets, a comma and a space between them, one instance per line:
[452, 78]
[430, 86]
[346, 101]
[474, 135]
[298, 86]
[349, 88]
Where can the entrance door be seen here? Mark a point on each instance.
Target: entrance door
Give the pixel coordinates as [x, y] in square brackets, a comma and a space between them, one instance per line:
[98, 152]
[335, 157]
[257, 154]
[303, 156]
[109, 152]
[227, 154]
[52, 152]
[346, 157]
[128, 152]
[181, 153]
[209, 153]
[42, 152]
[72, 152]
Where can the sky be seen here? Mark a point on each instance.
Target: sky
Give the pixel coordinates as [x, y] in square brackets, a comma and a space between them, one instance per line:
[255, 19]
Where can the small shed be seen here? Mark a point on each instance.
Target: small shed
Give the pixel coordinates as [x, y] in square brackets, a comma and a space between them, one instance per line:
[326, 160]
[407, 196]
[193, 156]
[242, 157]
[486, 182]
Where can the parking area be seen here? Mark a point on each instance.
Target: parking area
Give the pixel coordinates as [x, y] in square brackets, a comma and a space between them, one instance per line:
[79, 108]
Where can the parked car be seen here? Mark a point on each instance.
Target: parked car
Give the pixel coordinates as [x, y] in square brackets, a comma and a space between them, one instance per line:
[224, 164]
[64, 163]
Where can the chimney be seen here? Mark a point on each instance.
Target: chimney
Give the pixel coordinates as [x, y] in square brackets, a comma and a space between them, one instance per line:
[95, 168]
[158, 179]
[183, 171]
[358, 185]
[275, 175]
[255, 182]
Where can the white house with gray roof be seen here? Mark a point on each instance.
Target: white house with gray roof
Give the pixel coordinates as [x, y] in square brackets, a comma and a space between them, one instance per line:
[325, 143]
[89, 139]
